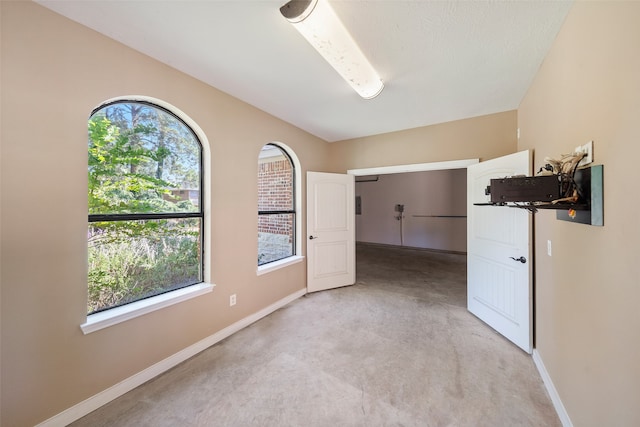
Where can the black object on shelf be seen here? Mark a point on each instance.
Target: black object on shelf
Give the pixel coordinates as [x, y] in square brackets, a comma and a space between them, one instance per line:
[525, 189]
[576, 197]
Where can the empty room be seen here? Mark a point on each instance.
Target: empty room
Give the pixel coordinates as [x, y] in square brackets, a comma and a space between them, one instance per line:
[200, 221]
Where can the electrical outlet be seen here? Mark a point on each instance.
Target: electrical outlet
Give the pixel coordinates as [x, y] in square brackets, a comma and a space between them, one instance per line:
[549, 247]
[232, 300]
[588, 149]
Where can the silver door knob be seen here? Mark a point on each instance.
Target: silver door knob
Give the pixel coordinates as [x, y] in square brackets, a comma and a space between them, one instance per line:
[521, 259]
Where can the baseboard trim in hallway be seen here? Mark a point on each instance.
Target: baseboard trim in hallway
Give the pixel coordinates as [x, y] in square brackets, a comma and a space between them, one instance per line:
[551, 389]
[91, 404]
[415, 248]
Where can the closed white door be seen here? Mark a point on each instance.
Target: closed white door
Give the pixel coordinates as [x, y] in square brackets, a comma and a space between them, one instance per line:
[330, 231]
[499, 264]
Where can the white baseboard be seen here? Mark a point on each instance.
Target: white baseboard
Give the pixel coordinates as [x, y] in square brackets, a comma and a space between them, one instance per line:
[91, 404]
[551, 389]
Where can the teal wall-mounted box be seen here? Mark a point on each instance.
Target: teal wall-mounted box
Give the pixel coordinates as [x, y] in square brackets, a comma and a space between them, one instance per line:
[589, 182]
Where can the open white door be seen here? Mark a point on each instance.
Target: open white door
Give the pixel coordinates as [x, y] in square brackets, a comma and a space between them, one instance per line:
[330, 231]
[499, 288]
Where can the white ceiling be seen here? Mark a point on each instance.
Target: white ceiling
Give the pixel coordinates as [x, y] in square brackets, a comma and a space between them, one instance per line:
[440, 60]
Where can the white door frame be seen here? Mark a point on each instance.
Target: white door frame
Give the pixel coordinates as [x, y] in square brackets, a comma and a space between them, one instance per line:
[417, 167]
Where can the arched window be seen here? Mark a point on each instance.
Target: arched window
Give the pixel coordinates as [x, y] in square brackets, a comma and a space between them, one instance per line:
[276, 205]
[145, 204]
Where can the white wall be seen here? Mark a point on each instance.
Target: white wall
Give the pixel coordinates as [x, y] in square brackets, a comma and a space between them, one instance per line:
[425, 195]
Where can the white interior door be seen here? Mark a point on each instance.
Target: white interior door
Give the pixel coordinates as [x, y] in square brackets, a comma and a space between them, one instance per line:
[499, 288]
[330, 231]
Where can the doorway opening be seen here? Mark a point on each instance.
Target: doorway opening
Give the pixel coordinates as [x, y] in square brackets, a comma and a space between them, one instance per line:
[418, 206]
[407, 208]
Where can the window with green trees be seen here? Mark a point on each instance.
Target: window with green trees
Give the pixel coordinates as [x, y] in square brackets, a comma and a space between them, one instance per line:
[145, 204]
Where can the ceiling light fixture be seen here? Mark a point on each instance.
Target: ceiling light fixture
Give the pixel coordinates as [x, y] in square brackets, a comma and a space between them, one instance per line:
[318, 23]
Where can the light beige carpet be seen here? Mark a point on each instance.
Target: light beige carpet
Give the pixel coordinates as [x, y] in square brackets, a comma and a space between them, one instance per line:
[397, 349]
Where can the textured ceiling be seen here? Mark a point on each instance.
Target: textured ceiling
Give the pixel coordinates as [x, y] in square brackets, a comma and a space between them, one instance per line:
[440, 60]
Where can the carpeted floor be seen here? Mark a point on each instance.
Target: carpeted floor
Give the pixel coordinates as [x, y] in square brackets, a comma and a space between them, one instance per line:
[397, 349]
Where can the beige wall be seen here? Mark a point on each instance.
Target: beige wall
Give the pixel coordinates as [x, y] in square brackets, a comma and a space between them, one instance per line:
[484, 137]
[587, 293]
[54, 72]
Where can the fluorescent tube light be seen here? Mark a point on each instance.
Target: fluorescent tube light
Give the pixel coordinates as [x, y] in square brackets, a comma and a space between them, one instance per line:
[318, 23]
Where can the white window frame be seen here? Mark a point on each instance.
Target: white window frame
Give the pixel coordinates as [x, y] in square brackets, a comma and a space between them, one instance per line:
[113, 316]
[296, 257]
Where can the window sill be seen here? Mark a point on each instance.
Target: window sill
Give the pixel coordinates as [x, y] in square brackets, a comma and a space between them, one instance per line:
[276, 265]
[116, 315]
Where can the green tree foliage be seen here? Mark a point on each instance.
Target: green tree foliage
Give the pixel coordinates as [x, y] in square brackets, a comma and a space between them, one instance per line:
[114, 187]
[139, 158]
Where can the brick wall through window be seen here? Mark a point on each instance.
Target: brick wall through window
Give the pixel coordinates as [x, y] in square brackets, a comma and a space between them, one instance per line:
[275, 193]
